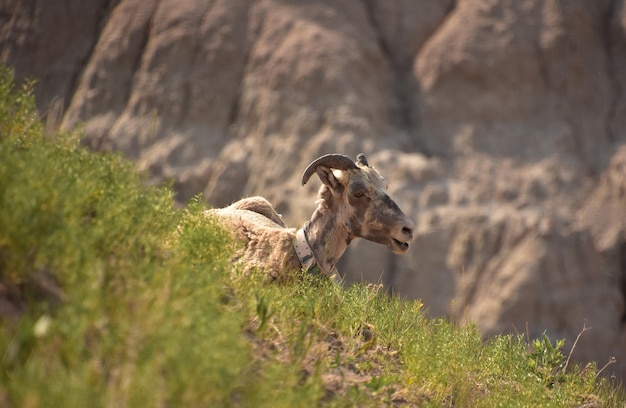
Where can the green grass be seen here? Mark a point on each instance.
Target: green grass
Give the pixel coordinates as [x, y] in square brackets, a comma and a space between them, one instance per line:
[111, 296]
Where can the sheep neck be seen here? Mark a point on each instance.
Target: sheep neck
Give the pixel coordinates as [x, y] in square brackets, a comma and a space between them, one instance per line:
[327, 238]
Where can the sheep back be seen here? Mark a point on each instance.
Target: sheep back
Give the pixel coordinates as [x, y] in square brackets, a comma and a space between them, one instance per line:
[261, 244]
[259, 205]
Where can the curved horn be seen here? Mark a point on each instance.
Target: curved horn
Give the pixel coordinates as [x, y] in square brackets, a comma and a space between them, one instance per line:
[333, 161]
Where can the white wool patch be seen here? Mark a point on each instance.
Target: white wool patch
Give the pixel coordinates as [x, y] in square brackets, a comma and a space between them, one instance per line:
[339, 174]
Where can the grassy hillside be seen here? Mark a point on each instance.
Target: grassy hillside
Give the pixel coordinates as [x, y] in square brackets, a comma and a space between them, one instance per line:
[110, 296]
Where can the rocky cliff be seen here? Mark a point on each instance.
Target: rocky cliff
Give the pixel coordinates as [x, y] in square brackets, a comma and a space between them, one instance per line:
[500, 126]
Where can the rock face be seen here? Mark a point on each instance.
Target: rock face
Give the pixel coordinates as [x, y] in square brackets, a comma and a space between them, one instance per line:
[500, 125]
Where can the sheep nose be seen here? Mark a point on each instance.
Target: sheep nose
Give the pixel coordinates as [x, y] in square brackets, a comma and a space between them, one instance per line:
[408, 229]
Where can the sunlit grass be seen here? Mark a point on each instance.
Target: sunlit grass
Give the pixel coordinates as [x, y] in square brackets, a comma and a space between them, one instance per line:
[116, 298]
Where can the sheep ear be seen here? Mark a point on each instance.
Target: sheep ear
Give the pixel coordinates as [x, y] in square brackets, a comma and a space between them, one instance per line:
[328, 178]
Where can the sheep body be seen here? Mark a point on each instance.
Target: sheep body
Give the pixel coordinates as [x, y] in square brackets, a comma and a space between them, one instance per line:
[263, 241]
[352, 203]
[258, 205]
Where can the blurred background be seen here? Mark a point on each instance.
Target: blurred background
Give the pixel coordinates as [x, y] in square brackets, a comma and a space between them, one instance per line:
[499, 125]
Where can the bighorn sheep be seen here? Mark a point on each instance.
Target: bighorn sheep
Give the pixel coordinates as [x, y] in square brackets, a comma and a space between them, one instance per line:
[351, 203]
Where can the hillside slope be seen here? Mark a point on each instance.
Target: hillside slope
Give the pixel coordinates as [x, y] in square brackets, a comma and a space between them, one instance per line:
[111, 296]
[499, 124]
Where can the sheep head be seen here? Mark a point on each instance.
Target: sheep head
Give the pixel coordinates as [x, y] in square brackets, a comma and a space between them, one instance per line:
[354, 193]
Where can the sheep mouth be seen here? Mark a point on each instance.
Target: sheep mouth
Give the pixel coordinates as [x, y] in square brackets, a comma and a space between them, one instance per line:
[399, 246]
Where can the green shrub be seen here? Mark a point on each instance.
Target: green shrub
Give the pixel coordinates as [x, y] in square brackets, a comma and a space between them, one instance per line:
[113, 297]
[120, 293]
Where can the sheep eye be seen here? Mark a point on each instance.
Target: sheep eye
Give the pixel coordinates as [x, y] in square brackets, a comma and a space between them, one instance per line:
[359, 194]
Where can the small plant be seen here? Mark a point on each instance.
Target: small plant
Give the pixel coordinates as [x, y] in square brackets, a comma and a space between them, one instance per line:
[263, 311]
[546, 360]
